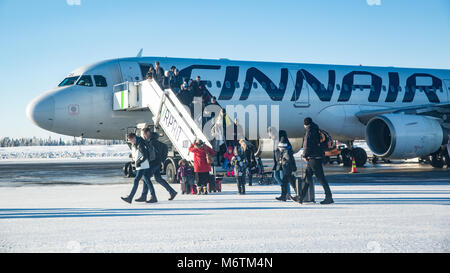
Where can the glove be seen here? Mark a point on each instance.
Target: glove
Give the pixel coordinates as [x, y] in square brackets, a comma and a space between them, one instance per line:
[138, 164]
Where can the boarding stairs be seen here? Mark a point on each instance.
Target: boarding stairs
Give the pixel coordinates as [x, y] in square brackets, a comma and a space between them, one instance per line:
[169, 113]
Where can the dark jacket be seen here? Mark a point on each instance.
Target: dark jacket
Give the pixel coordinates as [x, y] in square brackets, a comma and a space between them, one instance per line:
[281, 135]
[159, 75]
[249, 155]
[161, 150]
[311, 142]
[285, 161]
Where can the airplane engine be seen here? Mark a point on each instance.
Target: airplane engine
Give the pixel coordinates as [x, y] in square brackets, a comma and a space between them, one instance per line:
[400, 136]
[265, 147]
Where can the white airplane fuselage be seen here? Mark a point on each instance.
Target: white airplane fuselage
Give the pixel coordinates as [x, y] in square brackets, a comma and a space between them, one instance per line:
[330, 94]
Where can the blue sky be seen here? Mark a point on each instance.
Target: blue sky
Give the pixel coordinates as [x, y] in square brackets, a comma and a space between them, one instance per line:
[42, 41]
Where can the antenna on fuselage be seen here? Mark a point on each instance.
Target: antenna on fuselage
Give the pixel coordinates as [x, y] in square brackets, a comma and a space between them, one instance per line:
[140, 53]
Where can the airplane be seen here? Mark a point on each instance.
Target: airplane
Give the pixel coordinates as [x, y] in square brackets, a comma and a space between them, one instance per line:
[400, 112]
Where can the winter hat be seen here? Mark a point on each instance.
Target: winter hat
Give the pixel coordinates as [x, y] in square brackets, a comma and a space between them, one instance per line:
[307, 121]
[282, 145]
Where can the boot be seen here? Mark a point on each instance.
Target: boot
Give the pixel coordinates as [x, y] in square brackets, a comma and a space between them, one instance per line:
[243, 189]
[152, 200]
[328, 200]
[172, 195]
[127, 199]
[281, 198]
[141, 199]
[205, 190]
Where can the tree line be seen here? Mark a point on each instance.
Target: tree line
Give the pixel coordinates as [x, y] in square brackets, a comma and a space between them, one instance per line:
[35, 141]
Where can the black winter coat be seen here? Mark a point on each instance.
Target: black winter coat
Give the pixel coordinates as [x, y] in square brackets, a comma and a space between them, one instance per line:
[311, 142]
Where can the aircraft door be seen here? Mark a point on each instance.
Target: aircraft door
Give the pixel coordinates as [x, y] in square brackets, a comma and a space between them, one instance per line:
[130, 71]
[447, 88]
[302, 99]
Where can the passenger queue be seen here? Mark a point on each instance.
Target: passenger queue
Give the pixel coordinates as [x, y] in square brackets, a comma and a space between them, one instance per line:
[235, 154]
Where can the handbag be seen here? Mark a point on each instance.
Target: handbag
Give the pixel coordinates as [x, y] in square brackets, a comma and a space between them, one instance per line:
[209, 157]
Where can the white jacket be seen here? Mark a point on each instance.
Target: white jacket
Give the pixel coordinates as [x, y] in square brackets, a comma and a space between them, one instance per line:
[136, 154]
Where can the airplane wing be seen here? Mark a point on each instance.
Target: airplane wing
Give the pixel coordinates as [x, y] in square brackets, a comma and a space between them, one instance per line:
[440, 110]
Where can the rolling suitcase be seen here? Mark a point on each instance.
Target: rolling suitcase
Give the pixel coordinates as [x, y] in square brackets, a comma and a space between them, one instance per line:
[212, 184]
[218, 185]
[301, 184]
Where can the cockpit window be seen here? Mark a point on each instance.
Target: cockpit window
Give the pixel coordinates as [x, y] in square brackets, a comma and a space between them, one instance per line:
[85, 80]
[69, 81]
[100, 81]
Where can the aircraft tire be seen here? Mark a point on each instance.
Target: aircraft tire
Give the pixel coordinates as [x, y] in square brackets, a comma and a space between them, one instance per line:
[346, 157]
[170, 170]
[360, 157]
[437, 161]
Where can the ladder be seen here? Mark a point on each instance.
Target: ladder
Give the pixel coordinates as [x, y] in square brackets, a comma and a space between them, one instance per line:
[169, 113]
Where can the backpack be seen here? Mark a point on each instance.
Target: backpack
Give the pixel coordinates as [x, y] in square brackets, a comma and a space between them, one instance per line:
[326, 142]
[161, 151]
[151, 153]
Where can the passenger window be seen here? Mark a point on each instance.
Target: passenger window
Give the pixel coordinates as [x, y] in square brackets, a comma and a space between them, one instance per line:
[100, 81]
[272, 86]
[346, 88]
[228, 84]
[219, 84]
[384, 88]
[85, 80]
[255, 85]
[399, 89]
[281, 86]
[263, 85]
[338, 87]
[246, 85]
[330, 86]
[208, 84]
[237, 85]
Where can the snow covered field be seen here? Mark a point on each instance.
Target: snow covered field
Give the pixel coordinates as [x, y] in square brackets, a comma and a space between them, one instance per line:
[366, 218]
[60, 154]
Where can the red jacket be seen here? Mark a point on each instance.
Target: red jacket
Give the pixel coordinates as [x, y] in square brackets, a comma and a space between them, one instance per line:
[229, 154]
[200, 163]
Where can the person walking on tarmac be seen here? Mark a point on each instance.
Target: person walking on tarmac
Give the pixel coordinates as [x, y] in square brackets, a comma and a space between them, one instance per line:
[240, 165]
[140, 156]
[248, 151]
[155, 165]
[286, 163]
[313, 154]
[202, 166]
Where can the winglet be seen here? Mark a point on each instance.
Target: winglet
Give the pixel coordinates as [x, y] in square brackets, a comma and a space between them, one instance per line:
[140, 53]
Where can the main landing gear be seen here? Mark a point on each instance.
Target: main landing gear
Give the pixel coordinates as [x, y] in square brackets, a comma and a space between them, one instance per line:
[351, 152]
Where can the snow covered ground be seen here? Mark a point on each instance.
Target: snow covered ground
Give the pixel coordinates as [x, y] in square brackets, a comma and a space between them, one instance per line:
[409, 217]
[33, 154]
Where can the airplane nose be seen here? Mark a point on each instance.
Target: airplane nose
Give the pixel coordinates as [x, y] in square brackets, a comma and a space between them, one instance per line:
[41, 111]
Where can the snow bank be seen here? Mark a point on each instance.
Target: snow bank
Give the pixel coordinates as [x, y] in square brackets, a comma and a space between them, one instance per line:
[38, 153]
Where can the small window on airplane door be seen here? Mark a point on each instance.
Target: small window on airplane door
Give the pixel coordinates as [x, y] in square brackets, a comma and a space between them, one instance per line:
[218, 84]
[100, 81]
